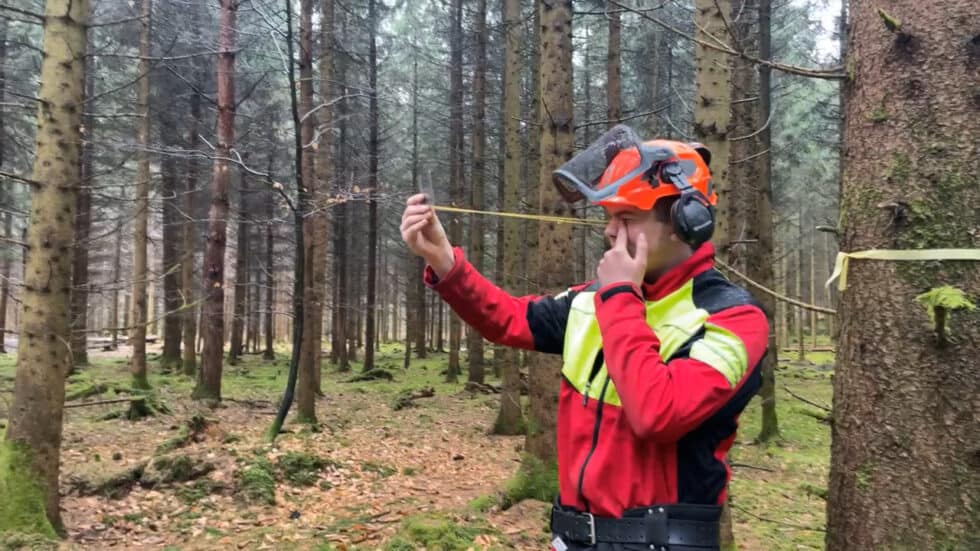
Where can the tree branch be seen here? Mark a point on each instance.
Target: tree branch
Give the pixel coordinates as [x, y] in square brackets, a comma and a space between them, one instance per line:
[833, 74]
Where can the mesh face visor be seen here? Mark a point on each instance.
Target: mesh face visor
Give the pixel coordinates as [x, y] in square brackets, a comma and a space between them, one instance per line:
[580, 177]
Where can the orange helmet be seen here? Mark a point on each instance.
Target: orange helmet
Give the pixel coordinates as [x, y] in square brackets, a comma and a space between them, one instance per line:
[642, 191]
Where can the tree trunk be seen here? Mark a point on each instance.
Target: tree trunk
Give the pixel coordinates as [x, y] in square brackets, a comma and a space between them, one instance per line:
[213, 316]
[417, 263]
[7, 229]
[761, 268]
[299, 216]
[800, 314]
[373, 144]
[455, 166]
[556, 258]
[712, 110]
[141, 217]
[269, 353]
[312, 294]
[31, 448]
[188, 281]
[241, 275]
[170, 359]
[325, 171]
[510, 417]
[614, 99]
[117, 284]
[905, 451]
[83, 225]
[342, 304]
[474, 342]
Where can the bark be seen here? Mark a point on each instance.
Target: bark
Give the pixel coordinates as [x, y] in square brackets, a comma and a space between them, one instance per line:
[418, 306]
[33, 436]
[761, 267]
[373, 144]
[83, 224]
[170, 359]
[800, 314]
[299, 215]
[712, 108]
[141, 217]
[213, 316]
[905, 451]
[241, 275]
[7, 229]
[510, 417]
[188, 285]
[614, 99]
[455, 165]
[556, 257]
[306, 391]
[324, 171]
[116, 284]
[474, 342]
[270, 273]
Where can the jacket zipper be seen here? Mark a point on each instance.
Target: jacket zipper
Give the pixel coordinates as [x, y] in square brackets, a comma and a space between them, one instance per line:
[598, 422]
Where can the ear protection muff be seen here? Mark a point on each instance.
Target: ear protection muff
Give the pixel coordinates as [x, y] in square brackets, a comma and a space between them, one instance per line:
[692, 215]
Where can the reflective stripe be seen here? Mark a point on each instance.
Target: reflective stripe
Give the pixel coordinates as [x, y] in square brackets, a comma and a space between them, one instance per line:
[722, 350]
[674, 319]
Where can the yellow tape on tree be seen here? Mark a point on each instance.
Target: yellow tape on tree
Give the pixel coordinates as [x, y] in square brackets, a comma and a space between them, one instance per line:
[840, 265]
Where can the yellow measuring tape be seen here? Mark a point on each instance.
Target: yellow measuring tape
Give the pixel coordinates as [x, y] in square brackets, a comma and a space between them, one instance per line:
[542, 217]
[840, 265]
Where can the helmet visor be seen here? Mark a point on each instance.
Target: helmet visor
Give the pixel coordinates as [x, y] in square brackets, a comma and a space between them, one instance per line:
[580, 176]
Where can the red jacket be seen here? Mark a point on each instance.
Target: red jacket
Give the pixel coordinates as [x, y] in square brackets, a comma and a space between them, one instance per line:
[651, 387]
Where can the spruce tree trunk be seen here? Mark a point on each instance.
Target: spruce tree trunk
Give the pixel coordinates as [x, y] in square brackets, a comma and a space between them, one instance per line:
[905, 443]
[83, 225]
[269, 353]
[761, 268]
[188, 281]
[510, 417]
[32, 443]
[474, 342]
[614, 97]
[141, 216]
[556, 257]
[324, 171]
[213, 316]
[241, 276]
[370, 333]
[170, 359]
[417, 263]
[455, 166]
[312, 294]
[712, 110]
[7, 230]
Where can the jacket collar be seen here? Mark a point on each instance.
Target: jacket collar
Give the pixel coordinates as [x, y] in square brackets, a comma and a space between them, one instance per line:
[701, 260]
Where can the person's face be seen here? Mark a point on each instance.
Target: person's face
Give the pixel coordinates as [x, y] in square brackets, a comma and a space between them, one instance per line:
[661, 243]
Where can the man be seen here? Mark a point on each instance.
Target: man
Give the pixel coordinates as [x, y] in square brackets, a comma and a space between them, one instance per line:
[660, 353]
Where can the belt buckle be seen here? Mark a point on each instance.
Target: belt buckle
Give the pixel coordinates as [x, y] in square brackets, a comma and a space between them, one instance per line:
[592, 540]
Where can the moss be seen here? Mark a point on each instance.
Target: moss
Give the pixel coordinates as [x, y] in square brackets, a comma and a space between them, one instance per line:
[383, 470]
[256, 483]
[22, 505]
[864, 475]
[483, 504]
[437, 533]
[301, 469]
[939, 219]
[141, 382]
[534, 480]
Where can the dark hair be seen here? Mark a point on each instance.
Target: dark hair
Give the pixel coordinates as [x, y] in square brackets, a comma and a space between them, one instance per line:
[661, 209]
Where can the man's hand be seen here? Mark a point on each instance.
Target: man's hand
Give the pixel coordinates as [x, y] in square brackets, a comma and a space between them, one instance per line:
[618, 266]
[424, 235]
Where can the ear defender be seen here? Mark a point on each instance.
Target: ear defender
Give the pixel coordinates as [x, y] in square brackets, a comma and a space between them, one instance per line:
[692, 215]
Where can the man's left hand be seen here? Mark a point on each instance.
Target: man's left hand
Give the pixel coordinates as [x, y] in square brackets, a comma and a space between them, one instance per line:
[618, 266]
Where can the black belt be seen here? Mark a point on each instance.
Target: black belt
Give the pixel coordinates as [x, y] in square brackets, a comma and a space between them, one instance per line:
[662, 526]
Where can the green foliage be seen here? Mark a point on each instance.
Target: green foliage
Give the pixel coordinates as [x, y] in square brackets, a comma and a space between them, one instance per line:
[482, 504]
[22, 504]
[534, 480]
[384, 470]
[301, 469]
[437, 533]
[256, 483]
[946, 297]
[198, 490]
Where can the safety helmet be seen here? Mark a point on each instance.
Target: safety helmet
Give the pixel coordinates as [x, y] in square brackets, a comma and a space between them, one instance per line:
[643, 191]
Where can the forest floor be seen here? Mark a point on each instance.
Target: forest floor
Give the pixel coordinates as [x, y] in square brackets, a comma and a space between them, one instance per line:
[367, 477]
